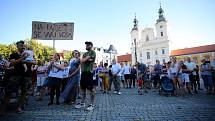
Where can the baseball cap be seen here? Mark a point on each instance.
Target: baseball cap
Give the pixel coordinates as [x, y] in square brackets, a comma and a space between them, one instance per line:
[88, 43]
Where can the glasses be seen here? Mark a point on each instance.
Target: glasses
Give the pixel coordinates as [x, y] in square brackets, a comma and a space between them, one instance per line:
[76, 53]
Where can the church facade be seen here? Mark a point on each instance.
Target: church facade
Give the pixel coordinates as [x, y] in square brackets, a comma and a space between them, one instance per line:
[149, 45]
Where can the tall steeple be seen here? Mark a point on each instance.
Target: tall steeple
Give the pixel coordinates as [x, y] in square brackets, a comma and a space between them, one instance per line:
[135, 23]
[161, 16]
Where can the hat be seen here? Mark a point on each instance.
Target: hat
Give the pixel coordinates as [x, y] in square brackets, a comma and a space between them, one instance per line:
[88, 43]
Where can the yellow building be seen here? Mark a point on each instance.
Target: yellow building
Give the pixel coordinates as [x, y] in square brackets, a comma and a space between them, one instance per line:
[196, 53]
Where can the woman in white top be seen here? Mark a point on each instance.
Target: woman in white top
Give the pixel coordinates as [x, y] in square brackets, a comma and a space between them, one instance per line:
[176, 76]
[55, 78]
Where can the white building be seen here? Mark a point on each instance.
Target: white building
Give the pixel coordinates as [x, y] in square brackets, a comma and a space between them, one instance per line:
[105, 55]
[149, 47]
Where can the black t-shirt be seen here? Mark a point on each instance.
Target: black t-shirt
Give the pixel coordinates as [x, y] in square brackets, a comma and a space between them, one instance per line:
[18, 67]
[184, 69]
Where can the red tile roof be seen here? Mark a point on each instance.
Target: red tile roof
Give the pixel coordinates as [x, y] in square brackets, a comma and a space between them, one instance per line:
[124, 58]
[193, 50]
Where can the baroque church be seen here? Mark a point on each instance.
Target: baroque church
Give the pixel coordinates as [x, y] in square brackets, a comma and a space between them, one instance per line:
[146, 46]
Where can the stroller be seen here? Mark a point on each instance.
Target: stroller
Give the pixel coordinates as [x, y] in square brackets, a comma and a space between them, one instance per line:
[166, 86]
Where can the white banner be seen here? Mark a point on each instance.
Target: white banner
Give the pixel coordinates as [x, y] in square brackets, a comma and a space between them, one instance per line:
[52, 31]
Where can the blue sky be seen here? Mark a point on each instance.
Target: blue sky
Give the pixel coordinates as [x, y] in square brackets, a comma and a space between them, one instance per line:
[105, 22]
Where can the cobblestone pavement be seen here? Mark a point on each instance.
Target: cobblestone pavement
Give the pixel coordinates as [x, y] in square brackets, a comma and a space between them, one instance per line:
[126, 107]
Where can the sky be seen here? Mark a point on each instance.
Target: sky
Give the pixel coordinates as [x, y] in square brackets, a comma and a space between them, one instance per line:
[104, 22]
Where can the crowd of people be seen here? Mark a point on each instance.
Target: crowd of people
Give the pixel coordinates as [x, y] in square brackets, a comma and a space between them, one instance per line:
[22, 76]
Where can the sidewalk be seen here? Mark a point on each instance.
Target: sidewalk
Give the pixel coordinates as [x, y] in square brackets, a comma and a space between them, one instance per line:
[126, 107]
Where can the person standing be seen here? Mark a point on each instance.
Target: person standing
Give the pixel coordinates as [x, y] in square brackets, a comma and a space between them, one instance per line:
[116, 69]
[65, 76]
[41, 71]
[18, 78]
[213, 72]
[87, 82]
[176, 75]
[133, 76]
[158, 71]
[206, 74]
[142, 73]
[127, 72]
[191, 66]
[122, 76]
[55, 78]
[70, 92]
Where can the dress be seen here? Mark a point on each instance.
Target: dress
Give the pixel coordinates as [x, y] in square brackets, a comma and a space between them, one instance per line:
[70, 92]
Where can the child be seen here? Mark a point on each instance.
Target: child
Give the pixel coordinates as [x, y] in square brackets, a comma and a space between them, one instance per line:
[140, 85]
[30, 56]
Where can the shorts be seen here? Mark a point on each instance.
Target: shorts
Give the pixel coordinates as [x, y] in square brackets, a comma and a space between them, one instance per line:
[16, 82]
[41, 80]
[122, 78]
[185, 78]
[127, 76]
[173, 75]
[87, 81]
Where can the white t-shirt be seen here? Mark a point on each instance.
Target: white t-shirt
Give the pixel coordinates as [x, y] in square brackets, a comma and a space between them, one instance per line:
[55, 72]
[191, 66]
[127, 69]
[41, 69]
[115, 68]
[174, 68]
[31, 55]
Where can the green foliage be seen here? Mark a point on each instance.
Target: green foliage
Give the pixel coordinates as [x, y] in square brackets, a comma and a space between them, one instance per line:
[41, 52]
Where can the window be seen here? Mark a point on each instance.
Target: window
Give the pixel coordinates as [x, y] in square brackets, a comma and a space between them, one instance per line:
[161, 34]
[164, 61]
[141, 55]
[148, 55]
[156, 52]
[161, 26]
[163, 51]
[147, 38]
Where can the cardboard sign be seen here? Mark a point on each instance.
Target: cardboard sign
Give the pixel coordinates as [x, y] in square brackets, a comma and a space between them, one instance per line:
[52, 31]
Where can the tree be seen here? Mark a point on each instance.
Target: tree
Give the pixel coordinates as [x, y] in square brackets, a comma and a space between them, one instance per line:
[41, 52]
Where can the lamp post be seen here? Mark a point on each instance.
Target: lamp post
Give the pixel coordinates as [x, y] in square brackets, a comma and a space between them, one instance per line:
[135, 50]
[111, 50]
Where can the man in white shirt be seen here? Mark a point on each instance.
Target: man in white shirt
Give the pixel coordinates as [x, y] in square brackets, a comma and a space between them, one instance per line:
[127, 72]
[191, 66]
[116, 68]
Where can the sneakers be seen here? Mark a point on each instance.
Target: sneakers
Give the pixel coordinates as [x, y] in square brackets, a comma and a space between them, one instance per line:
[115, 92]
[119, 93]
[80, 105]
[90, 107]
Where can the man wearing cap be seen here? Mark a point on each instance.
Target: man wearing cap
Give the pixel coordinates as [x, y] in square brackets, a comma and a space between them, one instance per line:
[87, 81]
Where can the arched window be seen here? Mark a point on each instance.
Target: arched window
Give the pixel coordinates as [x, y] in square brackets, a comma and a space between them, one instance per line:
[161, 34]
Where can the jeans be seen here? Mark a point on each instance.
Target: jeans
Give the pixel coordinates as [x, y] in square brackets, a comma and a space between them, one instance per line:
[116, 82]
[208, 83]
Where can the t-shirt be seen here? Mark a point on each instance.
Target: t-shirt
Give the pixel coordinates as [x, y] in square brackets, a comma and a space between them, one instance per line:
[175, 68]
[204, 67]
[18, 67]
[41, 70]
[127, 69]
[158, 68]
[191, 66]
[55, 72]
[115, 68]
[88, 66]
[30, 56]
[142, 68]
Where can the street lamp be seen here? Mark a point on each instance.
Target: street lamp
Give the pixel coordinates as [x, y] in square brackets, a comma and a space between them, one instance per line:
[110, 50]
[135, 50]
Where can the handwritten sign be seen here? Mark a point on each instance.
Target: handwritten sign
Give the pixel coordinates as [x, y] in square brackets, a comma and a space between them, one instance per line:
[52, 31]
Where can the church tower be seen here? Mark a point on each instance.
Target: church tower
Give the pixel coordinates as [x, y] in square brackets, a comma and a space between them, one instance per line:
[161, 26]
[134, 40]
